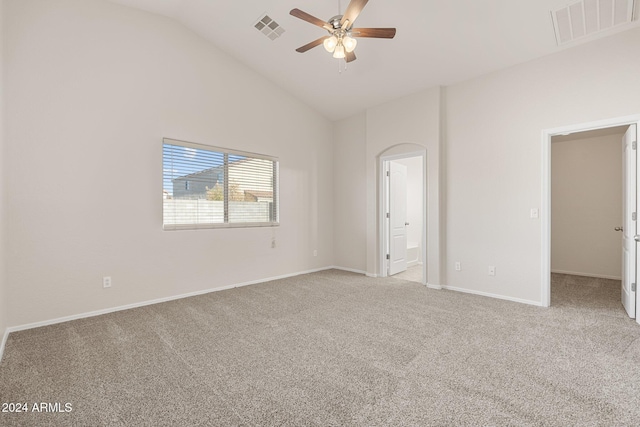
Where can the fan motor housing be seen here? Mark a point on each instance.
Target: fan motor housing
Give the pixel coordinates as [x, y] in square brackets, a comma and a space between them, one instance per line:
[335, 22]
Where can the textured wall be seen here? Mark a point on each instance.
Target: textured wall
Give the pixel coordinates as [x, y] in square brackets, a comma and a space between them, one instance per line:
[404, 125]
[349, 192]
[3, 301]
[93, 88]
[494, 155]
[586, 205]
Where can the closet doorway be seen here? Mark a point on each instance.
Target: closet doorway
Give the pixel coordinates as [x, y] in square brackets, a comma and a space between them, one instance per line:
[580, 204]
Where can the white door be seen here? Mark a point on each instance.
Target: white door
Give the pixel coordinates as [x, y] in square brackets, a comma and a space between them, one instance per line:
[397, 218]
[629, 186]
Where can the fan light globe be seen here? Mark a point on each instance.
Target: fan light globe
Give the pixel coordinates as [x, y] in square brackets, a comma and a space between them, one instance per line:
[349, 43]
[339, 52]
[330, 43]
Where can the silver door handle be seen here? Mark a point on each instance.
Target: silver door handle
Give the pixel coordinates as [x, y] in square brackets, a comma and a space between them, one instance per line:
[406, 223]
[636, 237]
[618, 228]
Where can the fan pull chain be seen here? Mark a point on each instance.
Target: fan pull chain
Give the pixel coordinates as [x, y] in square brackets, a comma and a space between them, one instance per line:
[340, 68]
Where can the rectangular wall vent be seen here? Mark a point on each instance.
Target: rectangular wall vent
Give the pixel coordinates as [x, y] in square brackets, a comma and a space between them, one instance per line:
[588, 17]
[269, 27]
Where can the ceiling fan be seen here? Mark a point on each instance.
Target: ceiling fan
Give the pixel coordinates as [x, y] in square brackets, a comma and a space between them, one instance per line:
[341, 40]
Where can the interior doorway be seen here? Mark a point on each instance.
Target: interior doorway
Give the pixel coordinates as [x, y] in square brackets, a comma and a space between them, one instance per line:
[589, 196]
[586, 214]
[404, 217]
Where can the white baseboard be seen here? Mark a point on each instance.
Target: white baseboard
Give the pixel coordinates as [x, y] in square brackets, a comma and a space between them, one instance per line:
[351, 270]
[150, 302]
[3, 343]
[490, 295]
[575, 273]
[206, 291]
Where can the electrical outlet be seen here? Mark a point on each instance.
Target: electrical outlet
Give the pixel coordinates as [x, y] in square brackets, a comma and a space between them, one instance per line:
[315, 253]
[458, 266]
[492, 270]
[106, 282]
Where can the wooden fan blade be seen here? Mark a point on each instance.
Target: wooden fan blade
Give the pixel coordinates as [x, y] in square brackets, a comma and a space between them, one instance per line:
[310, 18]
[379, 33]
[350, 56]
[352, 12]
[311, 45]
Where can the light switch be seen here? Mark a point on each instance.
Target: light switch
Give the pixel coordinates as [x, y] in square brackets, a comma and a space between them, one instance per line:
[534, 213]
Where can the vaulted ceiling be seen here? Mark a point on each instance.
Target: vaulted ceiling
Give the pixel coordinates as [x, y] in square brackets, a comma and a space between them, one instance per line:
[438, 42]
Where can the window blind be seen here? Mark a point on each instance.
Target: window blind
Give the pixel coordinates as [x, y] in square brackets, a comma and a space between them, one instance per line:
[207, 187]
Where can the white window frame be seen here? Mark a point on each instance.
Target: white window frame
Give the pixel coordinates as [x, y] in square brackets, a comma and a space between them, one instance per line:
[226, 152]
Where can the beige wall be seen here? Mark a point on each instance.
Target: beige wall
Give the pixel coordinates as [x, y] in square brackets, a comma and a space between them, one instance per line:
[3, 301]
[352, 139]
[91, 111]
[405, 125]
[93, 88]
[491, 162]
[586, 205]
[494, 155]
[349, 193]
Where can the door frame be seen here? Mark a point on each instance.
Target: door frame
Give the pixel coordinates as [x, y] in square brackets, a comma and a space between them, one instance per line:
[383, 235]
[545, 285]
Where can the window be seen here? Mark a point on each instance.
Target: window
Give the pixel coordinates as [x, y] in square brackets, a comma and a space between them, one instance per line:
[207, 187]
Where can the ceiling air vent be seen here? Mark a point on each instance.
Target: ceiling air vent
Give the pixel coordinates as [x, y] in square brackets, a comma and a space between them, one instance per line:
[588, 17]
[269, 27]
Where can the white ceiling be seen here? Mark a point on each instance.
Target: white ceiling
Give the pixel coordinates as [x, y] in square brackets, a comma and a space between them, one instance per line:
[438, 42]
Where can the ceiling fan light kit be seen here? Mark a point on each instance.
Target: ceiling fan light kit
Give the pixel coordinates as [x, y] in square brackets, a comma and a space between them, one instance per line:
[342, 36]
[330, 43]
[349, 43]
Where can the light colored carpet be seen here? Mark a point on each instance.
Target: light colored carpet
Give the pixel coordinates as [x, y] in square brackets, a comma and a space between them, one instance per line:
[337, 348]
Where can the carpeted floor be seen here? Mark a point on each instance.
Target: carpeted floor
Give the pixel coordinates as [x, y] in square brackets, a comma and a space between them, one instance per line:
[336, 348]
